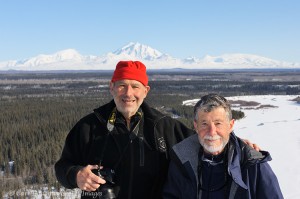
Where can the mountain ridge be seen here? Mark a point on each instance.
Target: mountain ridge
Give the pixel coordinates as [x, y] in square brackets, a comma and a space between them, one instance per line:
[71, 59]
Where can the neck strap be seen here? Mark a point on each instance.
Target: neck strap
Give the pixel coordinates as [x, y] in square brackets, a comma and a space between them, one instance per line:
[111, 127]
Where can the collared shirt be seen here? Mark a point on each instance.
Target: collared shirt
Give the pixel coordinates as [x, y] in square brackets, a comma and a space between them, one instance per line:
[121, 131]
[120, 119]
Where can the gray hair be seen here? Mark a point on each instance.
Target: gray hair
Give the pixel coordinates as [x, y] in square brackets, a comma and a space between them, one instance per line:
[209, 102]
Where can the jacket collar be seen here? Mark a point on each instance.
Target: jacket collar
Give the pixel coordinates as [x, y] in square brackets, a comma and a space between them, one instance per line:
[234, 161]
[238, 154]
[187, 151]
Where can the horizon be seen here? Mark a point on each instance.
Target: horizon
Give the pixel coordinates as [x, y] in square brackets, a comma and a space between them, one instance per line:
[190, 29]
[169, 70]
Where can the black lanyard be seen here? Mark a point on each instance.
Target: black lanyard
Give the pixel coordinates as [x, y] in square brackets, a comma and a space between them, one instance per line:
[133, 134]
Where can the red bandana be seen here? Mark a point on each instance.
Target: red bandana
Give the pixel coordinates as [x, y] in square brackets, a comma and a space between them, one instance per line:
[133, 70]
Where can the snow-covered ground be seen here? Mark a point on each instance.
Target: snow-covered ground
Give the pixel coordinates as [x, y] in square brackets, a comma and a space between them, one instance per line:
[276, 130]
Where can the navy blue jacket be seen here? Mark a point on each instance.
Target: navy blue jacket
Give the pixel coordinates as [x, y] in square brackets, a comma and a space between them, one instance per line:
[250, 174]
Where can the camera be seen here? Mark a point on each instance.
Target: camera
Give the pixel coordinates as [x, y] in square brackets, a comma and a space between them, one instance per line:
[109, 190]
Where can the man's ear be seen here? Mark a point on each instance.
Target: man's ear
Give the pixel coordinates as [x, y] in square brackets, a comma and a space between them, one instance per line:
[147, 89]
[231, 124]
[195, 125]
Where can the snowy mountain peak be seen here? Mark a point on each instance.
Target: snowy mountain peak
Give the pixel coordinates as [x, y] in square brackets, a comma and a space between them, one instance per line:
[139, 51]
[68, 54]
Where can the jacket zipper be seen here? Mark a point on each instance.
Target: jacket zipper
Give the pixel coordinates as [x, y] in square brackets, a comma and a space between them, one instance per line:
[142, 151]
[131, 171]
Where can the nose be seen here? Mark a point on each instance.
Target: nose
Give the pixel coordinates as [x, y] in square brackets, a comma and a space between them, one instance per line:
[129, 90]
[212, 129]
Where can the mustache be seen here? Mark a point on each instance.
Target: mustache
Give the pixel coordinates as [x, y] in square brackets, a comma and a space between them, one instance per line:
[211, 138]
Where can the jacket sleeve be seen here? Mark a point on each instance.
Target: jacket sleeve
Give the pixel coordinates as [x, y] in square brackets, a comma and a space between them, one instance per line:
[267, 185]
[174, 131]
[181, 182]
[72, 157]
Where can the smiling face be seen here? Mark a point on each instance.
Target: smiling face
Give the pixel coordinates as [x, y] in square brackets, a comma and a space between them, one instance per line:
[128, 96]
[213, 128]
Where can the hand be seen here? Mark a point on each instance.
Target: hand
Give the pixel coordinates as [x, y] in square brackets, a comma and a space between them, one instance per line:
[87, 180]
[254, 146]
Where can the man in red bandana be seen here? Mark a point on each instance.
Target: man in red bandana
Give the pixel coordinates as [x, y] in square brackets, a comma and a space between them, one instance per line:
[121, 150]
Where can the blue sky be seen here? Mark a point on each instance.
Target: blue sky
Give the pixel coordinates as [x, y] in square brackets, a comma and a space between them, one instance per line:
[269, 28]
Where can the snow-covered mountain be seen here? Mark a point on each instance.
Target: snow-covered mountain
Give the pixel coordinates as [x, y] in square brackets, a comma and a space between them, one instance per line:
[139, 51]
[70, 59]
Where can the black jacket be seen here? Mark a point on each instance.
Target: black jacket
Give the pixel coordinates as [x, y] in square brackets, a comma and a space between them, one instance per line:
[141, 164]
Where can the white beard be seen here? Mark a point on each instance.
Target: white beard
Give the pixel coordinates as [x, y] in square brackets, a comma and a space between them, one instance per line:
[213, 148]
